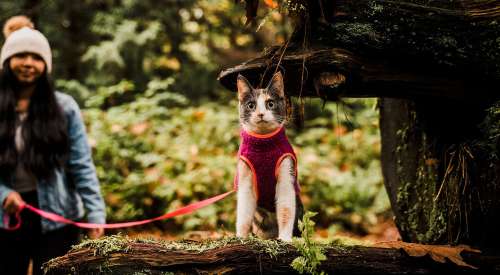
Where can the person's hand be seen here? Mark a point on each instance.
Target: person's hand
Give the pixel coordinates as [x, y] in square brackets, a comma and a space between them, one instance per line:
[13, 202]
[95, 233]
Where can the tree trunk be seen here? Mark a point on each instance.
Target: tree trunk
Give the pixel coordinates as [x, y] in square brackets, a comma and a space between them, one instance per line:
[251, 257]
[31, 8]
[441, 170]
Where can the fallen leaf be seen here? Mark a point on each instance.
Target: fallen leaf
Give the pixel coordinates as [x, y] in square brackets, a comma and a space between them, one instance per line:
[193, 149]
[115, 128]
[270, 3]
[139, 128]
[199, 115]
[152, 172]
[357, 134]
[113, 199]
[438, 253]
[147, 201]
[344, 167]
[431, 161]
[340, 131]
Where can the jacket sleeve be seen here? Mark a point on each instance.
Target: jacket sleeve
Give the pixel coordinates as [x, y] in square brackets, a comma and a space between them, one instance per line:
[4, 192]
[81, 166]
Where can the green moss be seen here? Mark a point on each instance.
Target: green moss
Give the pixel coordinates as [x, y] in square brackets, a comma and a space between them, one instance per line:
[106, 245]
[119, 243]
[424, 218]
[102, 247]
[439, 199]
[375, 8]
[355, 32]
[271, 247]
[447, 41]
[346, 243]
[490, 127]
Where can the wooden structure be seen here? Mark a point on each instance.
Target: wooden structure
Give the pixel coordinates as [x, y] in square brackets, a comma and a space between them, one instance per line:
[435, 65]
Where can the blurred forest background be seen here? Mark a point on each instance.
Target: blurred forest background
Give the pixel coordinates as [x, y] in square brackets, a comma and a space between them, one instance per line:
[165, 133]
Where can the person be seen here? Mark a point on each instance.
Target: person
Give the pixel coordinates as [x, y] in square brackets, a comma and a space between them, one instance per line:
[45, 159]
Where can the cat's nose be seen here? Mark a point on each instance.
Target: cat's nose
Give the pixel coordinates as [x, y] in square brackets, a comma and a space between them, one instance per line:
[260, 115]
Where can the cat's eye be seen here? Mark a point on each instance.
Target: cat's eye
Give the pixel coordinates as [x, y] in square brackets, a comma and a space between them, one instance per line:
[270, 104]
[251, 105]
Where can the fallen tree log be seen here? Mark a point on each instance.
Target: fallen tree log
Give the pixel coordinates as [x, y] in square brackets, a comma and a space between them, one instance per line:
[119, 255]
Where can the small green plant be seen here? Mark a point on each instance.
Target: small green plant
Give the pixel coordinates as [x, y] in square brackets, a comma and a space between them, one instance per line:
[312, 253]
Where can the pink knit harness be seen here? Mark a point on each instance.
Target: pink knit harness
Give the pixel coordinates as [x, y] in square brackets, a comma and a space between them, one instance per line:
[263, 154]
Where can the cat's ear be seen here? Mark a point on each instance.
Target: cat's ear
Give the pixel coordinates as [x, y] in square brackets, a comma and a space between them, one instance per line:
[277, 85]
[244, 86]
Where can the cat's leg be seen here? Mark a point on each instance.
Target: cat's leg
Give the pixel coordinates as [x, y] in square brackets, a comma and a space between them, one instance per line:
[299, 213]
[246, 200]
[285, 199]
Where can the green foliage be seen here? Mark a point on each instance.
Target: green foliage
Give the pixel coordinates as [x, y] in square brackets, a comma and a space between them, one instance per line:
[101, 43]
[156, 154]
[339, 163]
[159, 152]
[312, 254]
[76, 89]
[491, 129]
[163, 132]
[125, 41]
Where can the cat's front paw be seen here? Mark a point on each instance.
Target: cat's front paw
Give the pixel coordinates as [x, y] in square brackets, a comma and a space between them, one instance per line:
[285, 238]
[242, 231]
[242, 235]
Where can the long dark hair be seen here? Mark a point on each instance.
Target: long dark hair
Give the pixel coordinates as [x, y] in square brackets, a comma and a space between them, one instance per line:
[45, 132]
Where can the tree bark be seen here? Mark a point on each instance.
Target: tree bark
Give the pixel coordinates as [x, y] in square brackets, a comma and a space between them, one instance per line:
[76, 27]
[313, 68]
[31, 8]
[240, 258]
[441, 170]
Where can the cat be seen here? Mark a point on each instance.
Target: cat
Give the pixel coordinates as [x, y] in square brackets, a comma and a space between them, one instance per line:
[268, 201]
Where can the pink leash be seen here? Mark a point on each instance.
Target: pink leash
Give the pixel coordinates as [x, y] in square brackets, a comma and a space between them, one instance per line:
[56, 218]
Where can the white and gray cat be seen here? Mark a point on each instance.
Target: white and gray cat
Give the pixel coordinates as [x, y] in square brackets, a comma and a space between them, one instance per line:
[262, 114]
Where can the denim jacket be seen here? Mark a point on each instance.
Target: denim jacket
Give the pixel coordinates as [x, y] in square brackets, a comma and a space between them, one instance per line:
[74, 191]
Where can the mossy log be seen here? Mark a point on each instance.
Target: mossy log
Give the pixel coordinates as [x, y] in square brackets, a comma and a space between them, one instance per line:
[386, 48]
[114, 255]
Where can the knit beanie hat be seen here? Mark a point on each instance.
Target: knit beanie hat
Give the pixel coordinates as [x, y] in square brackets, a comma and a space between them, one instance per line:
[21, 37]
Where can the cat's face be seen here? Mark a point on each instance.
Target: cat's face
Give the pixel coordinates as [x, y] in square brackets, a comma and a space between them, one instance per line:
[262, 110]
